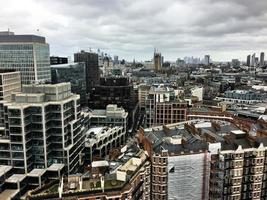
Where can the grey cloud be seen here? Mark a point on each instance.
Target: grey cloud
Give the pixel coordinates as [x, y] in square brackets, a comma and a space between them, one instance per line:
[132, 29]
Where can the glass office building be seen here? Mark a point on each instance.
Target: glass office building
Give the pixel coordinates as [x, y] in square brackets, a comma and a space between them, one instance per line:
[28, 54]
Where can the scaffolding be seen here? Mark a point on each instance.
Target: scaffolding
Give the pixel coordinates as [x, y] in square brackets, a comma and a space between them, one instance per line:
[188, 176]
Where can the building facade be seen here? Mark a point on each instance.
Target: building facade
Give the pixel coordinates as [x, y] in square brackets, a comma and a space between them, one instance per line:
[41, 126]
[75, 73]
[111, 116]
[101, 140]
[91, 68]
[10, 82]
[56, 60]
[28, 54]
[115, 90]
[163, 107]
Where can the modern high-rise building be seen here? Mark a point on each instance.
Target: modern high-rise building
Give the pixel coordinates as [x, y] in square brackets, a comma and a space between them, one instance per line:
[92, 68]
[207, 59]
[248, 60]
[262, 59]
[115, 90]
[28, 54]
[157, 61]
[42, 125]
[253, 60]
[10, 82]
[73, 73]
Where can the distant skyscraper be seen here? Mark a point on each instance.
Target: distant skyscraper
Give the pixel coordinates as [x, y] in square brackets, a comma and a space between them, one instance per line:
[157, 61]
[262, 59]
[92, 68]
[253, 60]
[248, 60]
[28, 54]
[207, 59]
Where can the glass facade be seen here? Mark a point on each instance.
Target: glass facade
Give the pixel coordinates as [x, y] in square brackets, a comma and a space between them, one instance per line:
[31, 59]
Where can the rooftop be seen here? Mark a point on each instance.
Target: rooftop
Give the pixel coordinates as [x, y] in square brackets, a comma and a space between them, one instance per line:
[15, 178]
[55, 167]
[12, 38]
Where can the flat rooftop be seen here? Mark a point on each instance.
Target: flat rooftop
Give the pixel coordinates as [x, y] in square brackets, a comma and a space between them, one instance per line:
[55, 167]
[4, 169]
[8, 194]
[16, 178]
[22, 38]
[36, 172]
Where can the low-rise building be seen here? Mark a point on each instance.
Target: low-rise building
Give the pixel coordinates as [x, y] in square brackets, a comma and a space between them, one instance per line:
[126, 177]
[100, 141]
[111, 116]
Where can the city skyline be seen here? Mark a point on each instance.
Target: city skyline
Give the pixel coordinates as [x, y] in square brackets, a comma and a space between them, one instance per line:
[222, 29]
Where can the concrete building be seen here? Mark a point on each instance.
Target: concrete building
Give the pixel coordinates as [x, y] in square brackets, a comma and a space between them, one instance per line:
[163, 107]
[143, 91]
[125, 177]
[92, 68]
[243, 96]
[28, 54]
[42, 125]
[10, 82]
[75, 73]
[100, 141]
[111, 116]
[197, 92]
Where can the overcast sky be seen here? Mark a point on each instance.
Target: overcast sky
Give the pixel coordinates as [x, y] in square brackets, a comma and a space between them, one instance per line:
[225, 29]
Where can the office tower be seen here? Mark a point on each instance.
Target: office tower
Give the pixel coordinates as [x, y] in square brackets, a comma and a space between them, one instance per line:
[163, 107]
[56, 60]
[73, 73]
[157, 61]
[253, 60]
[115, 90]
[10, 82]
[28, 54]
[262, 59]
[92, 68]
[42, 125]
[248, 60]
[207, 59]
